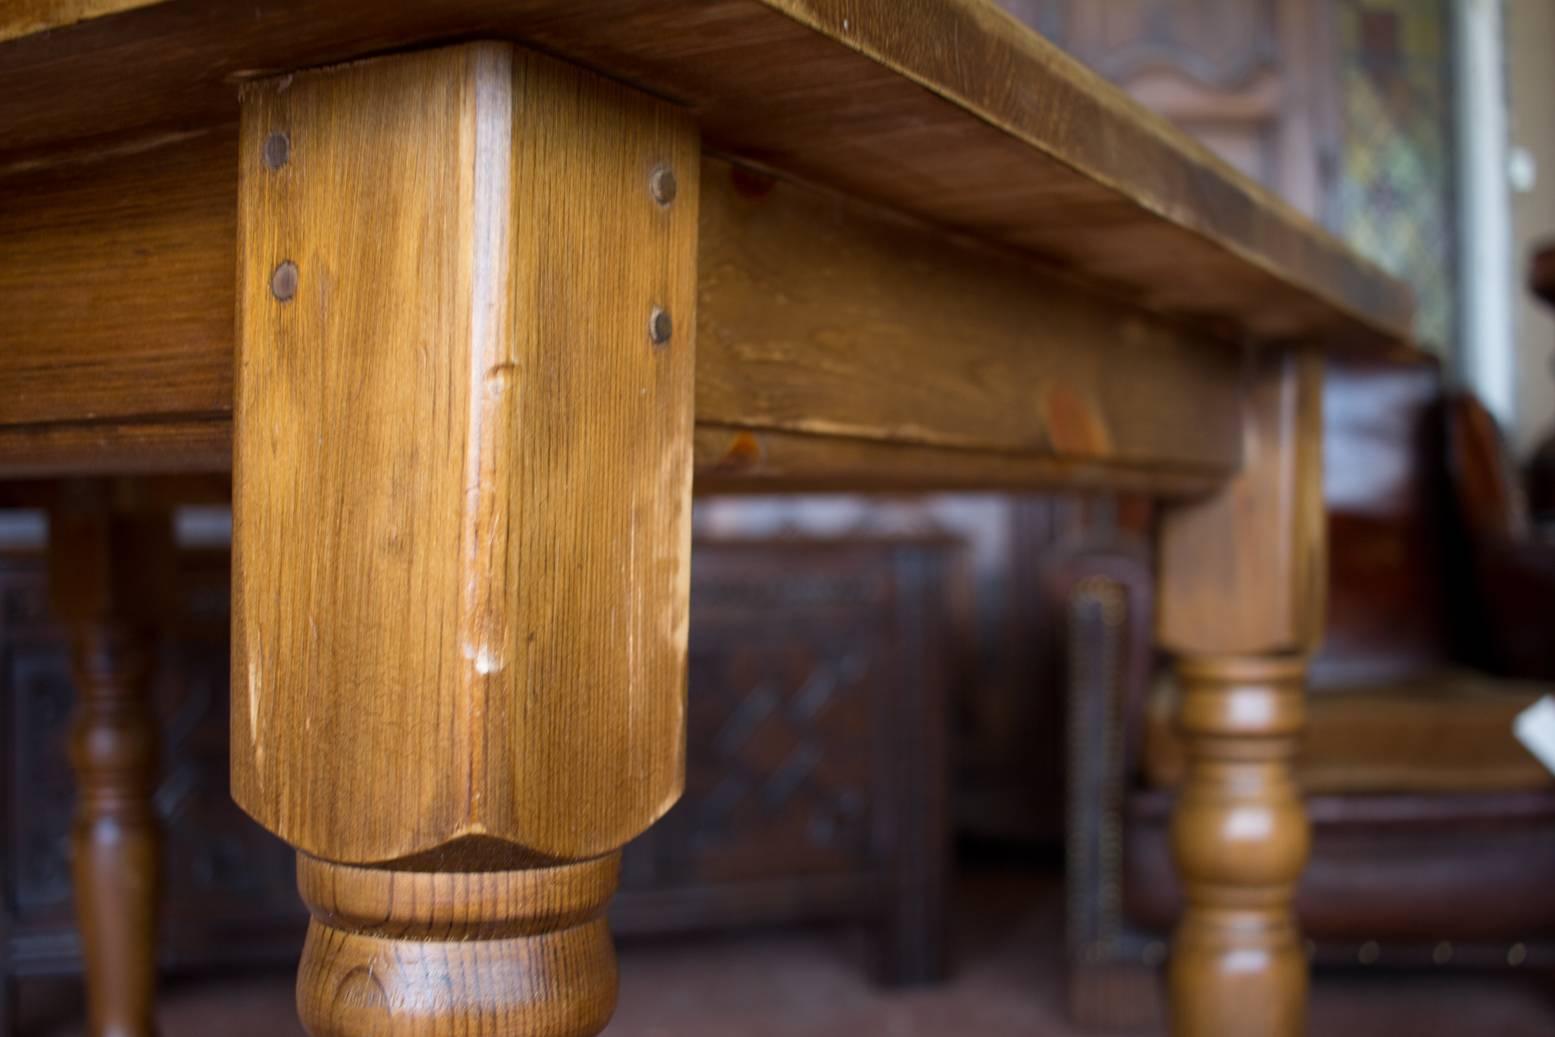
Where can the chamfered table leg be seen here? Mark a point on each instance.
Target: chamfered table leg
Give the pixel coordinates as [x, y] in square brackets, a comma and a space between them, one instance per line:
[462, 482]
[1243, 582]
[110, 567]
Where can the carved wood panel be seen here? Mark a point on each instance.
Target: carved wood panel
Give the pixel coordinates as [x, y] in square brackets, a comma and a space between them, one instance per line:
[1223, 44]
[1250, 78]
[815, 766]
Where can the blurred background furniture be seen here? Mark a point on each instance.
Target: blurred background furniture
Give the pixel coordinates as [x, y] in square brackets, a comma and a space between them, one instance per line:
[1434, 830]
[815, 789]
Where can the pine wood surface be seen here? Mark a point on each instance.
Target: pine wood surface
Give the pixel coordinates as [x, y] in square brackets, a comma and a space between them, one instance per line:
[949, 109]
[507, 535]
[1261, 540]
[1240, 598]
[850, 325]
[462, 513]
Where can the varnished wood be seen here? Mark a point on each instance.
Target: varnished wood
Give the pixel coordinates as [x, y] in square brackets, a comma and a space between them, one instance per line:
[26, 17]
[823, 317]
[116, 283]
[738, 459]
[109, 566]
[1240, 839]
[1244, 571]
[162, 445]
[1242, 580]
[462, 523]
[1000, 135]
[429, 952]
[817, 315]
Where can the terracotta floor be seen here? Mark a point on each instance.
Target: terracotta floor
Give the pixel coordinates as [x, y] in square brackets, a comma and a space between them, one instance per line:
[790, 984]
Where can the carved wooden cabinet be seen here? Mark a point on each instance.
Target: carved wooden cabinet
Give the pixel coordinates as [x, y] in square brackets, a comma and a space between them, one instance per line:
[815, 773]
[1251, 79]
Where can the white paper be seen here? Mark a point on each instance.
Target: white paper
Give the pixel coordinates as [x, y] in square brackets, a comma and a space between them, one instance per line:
[1535, 728]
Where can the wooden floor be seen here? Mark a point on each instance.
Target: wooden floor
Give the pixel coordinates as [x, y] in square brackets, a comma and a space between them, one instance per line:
[792, 984]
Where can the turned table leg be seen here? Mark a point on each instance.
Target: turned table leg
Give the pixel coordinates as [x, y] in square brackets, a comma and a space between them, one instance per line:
[109, 572]
[461, 490]
[1239, 837]
[1243, 580]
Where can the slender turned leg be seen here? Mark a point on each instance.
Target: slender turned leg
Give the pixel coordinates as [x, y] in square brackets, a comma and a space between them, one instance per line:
[108, 574]
[461, 523]
[1243, 577]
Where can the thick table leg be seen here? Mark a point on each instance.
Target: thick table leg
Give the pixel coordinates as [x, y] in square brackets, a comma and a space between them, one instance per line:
[109, 570]
[1243, 577]
[462, 523]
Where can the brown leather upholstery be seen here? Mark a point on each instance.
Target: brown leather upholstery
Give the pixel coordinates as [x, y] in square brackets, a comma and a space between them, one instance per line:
[1488, 495]
[1385, 491]
[1511, 567]
[1446, 732]
[1403, 873]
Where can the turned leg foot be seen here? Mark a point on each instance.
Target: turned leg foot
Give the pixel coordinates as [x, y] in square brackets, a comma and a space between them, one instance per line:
[508, 953]
[108, 570]
[1240, 838]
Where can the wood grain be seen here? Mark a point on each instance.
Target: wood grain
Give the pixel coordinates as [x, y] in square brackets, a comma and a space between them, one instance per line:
[109, 568]
[1241, 588]
[948, 109]
[1240, 839]
[462, 412]
[116, 283]
[26, 17]
[817, 315]
[402, 952]
[736, 459]
[1245, 570]
[461, 524]
[822, 316]
[159, 444]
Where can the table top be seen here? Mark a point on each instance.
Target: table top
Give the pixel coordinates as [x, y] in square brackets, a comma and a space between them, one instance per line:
[948, 110]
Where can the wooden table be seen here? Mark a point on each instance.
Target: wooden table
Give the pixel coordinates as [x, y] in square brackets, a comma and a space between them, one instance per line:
[469, 298]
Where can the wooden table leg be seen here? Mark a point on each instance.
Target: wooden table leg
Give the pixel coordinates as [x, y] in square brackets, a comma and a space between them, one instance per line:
[462, 523]
[1243, 581]
[109, 569]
